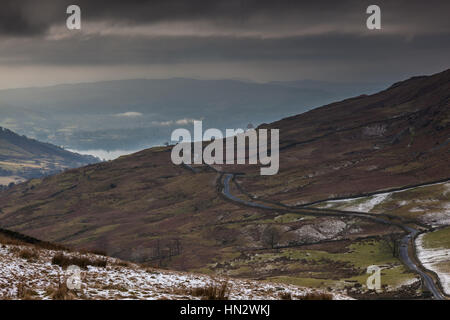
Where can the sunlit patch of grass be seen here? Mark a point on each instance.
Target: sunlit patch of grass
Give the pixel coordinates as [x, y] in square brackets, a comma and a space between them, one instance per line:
[392, 276]
[320, 269]
[437, 239]
[443, 267]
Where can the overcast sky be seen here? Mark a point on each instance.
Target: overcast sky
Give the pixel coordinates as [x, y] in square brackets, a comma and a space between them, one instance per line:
[246, 39]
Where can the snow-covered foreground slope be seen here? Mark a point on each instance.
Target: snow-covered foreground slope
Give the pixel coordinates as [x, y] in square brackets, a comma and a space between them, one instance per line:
[37, 278]
[435, 259]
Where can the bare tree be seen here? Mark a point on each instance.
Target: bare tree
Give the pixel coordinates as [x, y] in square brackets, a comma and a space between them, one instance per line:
[392, 242]
[271, 236]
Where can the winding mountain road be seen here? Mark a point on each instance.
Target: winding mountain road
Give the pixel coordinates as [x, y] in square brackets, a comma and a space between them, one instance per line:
[405, 243]
[404, 253]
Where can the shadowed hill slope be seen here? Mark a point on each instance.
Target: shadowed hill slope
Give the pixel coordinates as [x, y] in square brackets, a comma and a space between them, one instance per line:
[22, 158]
[397, 137]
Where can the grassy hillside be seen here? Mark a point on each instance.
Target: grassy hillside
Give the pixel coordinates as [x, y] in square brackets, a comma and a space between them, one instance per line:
[143, 208]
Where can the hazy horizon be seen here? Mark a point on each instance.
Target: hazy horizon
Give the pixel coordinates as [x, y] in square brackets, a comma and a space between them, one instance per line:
[255, 40]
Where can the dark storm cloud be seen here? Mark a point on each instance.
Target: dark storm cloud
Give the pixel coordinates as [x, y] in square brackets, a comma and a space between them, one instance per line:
[258, 39]
[15, 21]
[113, 50]
[34, 17]
[30, 17]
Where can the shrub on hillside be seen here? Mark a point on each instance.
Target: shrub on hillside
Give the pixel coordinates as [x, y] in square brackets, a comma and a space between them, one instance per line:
[317, 296]
[81, 261]
[28, 254]
[212, 291]
[285, 296]
[61, 292]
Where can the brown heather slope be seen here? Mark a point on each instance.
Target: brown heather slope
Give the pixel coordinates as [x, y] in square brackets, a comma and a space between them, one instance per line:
[143, 208]
[139, 207]
[397, 137]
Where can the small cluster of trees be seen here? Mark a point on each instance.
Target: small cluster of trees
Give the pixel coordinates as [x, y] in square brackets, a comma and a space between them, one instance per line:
[159, 251]
[271, 236]
[392, 241]
[167, 249]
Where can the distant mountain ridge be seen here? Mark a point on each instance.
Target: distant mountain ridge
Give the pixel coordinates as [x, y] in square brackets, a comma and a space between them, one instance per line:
[22, 158]
[88, 116]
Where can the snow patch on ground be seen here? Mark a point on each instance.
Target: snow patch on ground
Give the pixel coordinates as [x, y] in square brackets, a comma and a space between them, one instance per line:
[437, 219]
[408, 282]
[119, 280]
[324, 230]
[365, 206]
[432, 258]
[447, 189]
